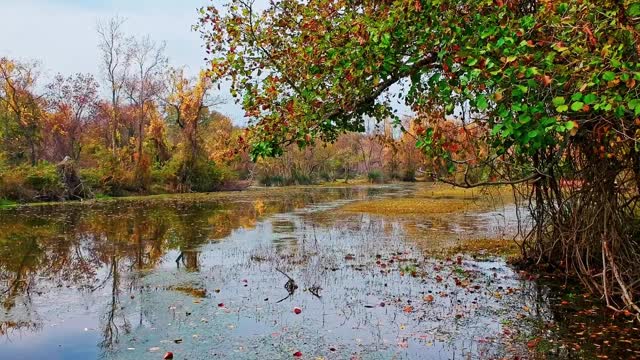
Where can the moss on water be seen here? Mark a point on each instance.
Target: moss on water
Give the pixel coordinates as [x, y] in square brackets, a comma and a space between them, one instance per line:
[195, 292]
[342, 182]
[506, 248]
[406, 206]
[433, 199]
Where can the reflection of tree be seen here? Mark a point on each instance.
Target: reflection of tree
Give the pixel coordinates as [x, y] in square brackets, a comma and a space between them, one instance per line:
[115, 312]
[189, 259]
[37, 255]
[107, 250]
[18, 275]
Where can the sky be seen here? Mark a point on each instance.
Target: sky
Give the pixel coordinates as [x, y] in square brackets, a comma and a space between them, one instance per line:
[61, 34]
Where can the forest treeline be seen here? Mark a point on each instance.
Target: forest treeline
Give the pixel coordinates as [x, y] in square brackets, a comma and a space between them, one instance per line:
[142, 126]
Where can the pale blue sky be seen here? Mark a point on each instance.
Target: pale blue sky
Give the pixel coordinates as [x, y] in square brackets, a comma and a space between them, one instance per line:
[61, 34]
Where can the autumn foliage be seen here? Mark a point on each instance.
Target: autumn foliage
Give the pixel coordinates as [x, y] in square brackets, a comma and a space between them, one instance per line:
[165, 138]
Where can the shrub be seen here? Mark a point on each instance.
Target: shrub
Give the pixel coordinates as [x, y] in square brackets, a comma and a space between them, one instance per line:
[30, 183]
[375, 177]
[409, 175]
[205, 176]
[92, 178]
[272, 180]
[300, 179]
[186, 175]
[111, 178]
[325, 176]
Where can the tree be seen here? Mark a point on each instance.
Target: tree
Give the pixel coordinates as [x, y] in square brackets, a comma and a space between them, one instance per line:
[144, 83]
[72, 102]
[113, 46]
[550, 87]
[21, 110]
[187, 103]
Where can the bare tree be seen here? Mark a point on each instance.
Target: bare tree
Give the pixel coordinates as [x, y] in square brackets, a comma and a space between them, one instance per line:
[145, 82]
[115, 63]
[74, 99]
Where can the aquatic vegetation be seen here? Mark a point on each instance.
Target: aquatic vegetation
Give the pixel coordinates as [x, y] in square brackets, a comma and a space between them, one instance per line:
[481, 248]
[432, 199]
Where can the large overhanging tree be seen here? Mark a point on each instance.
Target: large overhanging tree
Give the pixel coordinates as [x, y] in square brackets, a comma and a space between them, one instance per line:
[547, 89]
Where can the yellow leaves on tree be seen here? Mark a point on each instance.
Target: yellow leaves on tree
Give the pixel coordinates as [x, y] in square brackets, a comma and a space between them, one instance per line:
[187, 101]
[21, 106]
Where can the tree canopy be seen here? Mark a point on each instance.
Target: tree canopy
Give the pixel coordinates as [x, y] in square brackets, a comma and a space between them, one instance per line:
[536, 72]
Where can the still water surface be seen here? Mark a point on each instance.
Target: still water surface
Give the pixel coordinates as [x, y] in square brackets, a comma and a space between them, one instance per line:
[208, 276]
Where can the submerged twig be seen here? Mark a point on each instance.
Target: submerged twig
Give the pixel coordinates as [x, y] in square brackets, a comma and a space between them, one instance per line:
[290, 286]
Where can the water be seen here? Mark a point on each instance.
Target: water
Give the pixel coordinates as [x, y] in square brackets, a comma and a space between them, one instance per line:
[207, 276]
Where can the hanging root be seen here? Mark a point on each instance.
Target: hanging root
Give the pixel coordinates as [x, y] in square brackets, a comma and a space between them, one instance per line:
[589, 226]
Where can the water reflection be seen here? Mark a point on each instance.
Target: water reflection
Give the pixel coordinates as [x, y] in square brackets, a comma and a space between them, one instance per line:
[106, 250]
[219, 275]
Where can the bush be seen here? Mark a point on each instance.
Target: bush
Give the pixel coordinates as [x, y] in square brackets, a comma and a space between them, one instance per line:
[205, 176]
[300, 179]
[375, 177]
[186, 175]
[32, 183]
[272, 180]
[110, 178]
[93, 178]
[409, 175]
[325, 176]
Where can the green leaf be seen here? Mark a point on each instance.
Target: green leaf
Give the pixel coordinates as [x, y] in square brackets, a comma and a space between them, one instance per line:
[576, 97]
[386, 40]
[525, 118]
[562, 108]
[577, 106]
[481, 103]
[511, 58]
[609, 76]
[634, 10]
[557, 101]
[634, 104]
[449, 108]
[590, 99]
[569, 125]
